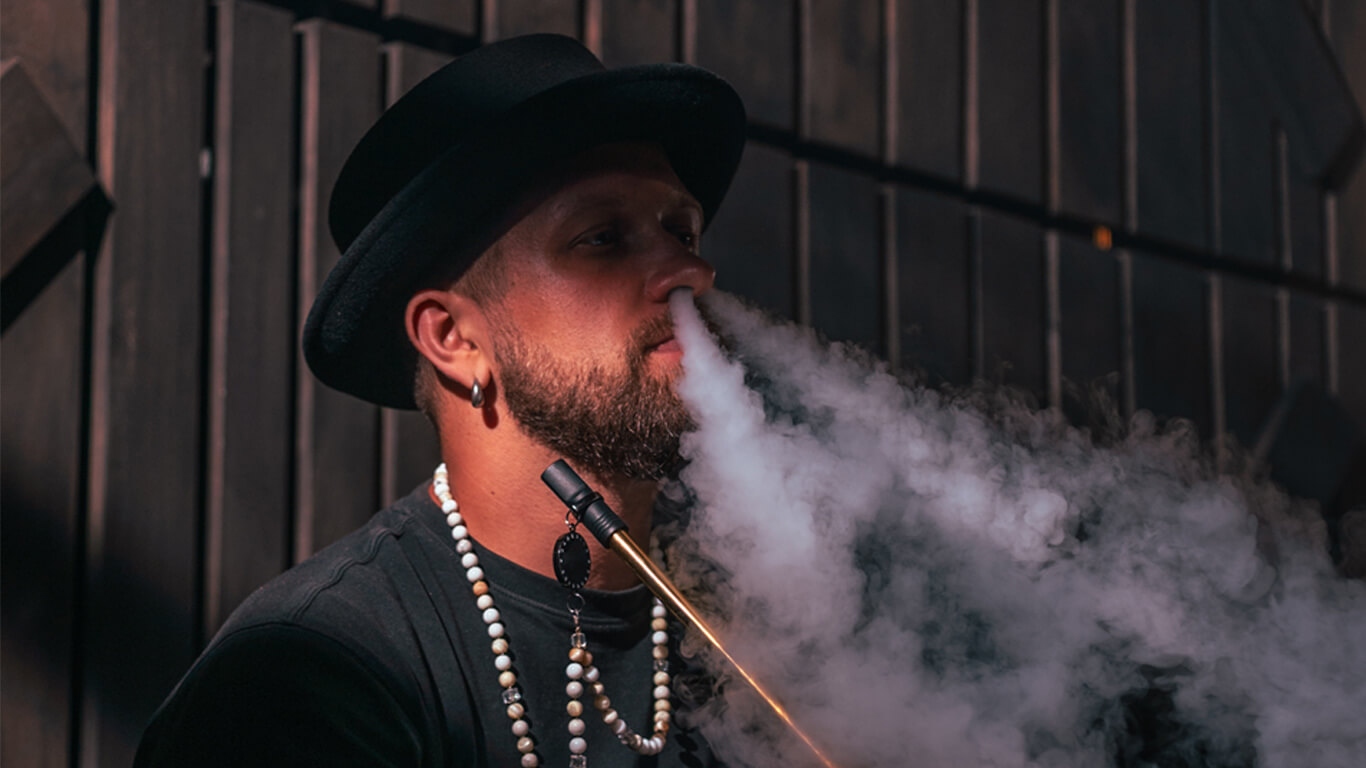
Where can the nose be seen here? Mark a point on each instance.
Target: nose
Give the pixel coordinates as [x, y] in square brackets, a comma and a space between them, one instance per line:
[679, 267]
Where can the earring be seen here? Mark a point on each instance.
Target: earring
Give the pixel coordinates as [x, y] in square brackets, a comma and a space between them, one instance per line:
[477, 395]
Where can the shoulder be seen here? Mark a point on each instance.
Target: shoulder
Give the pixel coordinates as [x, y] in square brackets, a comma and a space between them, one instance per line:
[277, 693]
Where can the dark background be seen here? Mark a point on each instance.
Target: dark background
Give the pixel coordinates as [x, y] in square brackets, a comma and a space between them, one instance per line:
[1161, 200]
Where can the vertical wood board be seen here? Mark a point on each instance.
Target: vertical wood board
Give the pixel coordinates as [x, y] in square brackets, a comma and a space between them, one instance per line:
[1089, 160]
[1089, 295]
[843, 74]
[456, 15]
[142, 619]
[846, 262]
[1171, 348]
[751, 45]
[253, 336]
[337, 435]
[1010, 97]
[750, 242]
[929, 96]
[934, 277]
[1013, 310]
[639, 31]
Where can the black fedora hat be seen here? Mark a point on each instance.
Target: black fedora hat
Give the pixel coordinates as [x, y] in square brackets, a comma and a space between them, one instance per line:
[425, 188]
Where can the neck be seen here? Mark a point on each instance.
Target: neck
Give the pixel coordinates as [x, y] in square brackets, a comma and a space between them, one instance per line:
[496, 479]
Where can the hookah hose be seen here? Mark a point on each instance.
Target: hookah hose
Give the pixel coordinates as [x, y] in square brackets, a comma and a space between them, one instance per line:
[592, 512]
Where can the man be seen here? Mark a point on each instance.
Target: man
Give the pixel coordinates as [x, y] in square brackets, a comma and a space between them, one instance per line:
[511, 231]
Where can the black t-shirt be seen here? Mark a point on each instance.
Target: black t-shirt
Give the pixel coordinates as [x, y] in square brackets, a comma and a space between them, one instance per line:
[373, 653]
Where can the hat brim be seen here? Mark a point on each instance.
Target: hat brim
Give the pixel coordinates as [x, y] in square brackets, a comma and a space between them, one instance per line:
[354, 338]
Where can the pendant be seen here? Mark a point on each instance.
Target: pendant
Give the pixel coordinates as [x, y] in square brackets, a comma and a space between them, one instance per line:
[572, 561]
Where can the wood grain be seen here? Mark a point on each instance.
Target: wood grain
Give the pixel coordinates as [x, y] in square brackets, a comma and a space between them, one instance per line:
[252, 308]
[337, 436]
[146, 438]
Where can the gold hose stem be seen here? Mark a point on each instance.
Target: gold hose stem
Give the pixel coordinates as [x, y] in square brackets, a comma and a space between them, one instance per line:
[664, 589]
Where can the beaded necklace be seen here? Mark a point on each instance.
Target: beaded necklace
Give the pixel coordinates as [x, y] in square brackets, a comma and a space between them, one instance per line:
[583, 676]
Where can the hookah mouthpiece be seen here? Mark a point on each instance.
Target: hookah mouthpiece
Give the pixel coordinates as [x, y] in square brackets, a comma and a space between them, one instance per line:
[584, 503]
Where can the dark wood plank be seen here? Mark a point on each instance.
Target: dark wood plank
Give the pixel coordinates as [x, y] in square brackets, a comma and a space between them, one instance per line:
[407, 65]
[1172, 165]
[252, 362]
[846, 264]
[408, 447]
[1171, 341]
[1251, 371]
[40, 443]
[934, 275]
[929, 94]
[751, 45]
[1351, 384]
[639, 31]
[1306, 336]
[1089, 159]
[1089, 309]
[1304, 217]
[456, 15]
[1013, 309]
[522, 17]
[143, 623]
[1347, 32]
[52, 38]
[1010, 97]
[843, 74]
[43, 175]
[337, 485]
[1247, 151]
[750, 243]
[40, 451]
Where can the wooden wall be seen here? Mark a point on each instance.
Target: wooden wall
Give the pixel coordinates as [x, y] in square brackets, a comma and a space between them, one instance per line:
[1162, 196]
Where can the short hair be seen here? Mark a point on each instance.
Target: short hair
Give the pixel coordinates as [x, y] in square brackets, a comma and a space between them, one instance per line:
[484, 283]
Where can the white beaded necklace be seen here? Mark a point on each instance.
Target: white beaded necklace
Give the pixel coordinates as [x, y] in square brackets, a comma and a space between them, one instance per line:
[583, 676]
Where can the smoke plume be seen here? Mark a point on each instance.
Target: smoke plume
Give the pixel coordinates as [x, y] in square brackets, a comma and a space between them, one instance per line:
[927, 580]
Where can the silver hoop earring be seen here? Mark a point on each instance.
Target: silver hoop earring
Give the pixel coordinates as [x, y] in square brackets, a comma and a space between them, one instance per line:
[477, 395]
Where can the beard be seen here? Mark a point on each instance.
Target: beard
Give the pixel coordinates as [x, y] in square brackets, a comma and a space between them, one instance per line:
[608, 419]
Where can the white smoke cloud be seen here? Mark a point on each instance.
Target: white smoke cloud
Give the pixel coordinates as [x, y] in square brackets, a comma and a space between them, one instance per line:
[925, 581]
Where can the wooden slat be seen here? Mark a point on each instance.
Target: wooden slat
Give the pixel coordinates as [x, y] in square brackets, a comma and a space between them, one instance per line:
[1347, 31]
[42, 172]
[1352, 363]
[522, 17]
[252, 319]
[408, 447]
[751, 45]
[935, 284]
[406, 66]
[1089, 296]
[1171, 351]
[455, 15]
[1010, 97]
[40, 452]
[750, 242]
[337, 487]
[1089, 109]
[1172, 165]
[52, 38]
[842, 74]
[143, 624]
[1251, 380]
[638, 31]
[1012, 280]
[1306, 341]
[1247, 152]
[846, 265]
[930, 88]
[40, 443]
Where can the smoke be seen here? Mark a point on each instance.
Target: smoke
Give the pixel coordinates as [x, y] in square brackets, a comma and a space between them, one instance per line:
[927, 580]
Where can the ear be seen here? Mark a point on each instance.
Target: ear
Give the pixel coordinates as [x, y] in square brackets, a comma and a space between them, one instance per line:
[451, 332]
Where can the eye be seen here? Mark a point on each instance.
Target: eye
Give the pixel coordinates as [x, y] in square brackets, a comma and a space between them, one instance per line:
[687, 237]
[601, 238]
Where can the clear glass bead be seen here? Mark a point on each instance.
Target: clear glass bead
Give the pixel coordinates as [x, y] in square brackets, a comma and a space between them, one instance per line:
[661, 665]
[578, 640]
[578, 761]
[512, 695]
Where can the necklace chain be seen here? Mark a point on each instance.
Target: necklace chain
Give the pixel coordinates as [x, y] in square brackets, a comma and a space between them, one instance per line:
[583, 676]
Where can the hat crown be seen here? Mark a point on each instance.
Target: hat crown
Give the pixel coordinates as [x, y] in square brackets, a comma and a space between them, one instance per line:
[439, 112]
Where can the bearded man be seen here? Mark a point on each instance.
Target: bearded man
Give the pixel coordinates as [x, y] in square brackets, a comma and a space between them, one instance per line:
[512, 229]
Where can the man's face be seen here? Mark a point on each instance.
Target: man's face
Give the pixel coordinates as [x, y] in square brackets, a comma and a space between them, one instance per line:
[583, 342]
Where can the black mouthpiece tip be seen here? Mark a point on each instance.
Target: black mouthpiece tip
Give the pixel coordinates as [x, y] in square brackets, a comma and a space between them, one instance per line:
[585, 503]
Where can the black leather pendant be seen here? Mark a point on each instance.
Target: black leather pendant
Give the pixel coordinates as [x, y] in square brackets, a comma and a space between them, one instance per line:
[572, 561]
